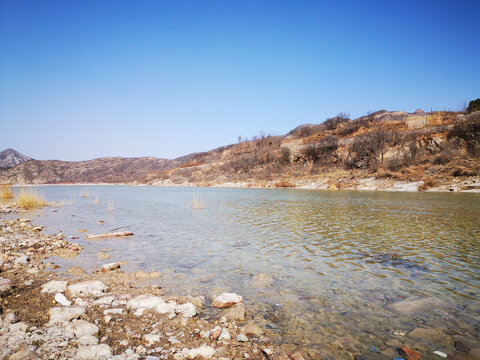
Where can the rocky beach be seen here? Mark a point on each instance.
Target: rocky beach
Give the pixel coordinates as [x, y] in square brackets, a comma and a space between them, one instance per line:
[52, 313]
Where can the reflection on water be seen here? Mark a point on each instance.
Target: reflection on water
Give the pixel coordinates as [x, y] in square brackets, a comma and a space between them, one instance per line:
[330, 261]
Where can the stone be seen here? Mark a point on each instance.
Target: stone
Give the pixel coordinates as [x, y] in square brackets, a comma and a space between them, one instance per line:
[415, 305]
[203, 351]
[251, 329]
[82, 328]
[225, 335]
[142, 275]
[76, 271]
[54, 286]
[151, 339]
[87, 340]
[242, 338]
[10, 318]
[89, 287]
[67, 313]
[21, 260]
[110, 266]
[103, 256]
[144, 302]
[441, 354]
[424, 333]
[118, 311]
[409, 354]
[62, 300]
[236, 312]
[225, 300]
[187, 310]
[167, 308]
[260, 281]
[24, 354]
[5, 285]
[462, 345]
[97, 352]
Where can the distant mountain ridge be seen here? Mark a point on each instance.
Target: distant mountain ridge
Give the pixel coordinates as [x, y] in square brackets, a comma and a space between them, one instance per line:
[10, 158]
[102, 170]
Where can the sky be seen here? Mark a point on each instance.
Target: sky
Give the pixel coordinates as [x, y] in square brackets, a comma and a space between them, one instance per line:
[87, 79]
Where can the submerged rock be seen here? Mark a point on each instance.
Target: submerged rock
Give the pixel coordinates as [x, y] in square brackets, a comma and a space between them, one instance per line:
[409, 354]
[225, 300]
[411, 306]
[110, 266]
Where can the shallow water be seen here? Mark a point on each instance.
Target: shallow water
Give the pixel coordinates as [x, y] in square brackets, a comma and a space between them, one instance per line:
[330, 261]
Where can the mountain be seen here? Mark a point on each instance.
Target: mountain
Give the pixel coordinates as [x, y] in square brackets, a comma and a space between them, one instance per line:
[102, 170]
[10, 158]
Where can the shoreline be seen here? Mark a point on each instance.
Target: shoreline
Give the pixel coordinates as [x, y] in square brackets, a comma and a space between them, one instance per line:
[471, 185]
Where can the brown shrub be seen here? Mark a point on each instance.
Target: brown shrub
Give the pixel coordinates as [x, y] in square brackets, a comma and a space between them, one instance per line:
[427, 184]
[284, 184]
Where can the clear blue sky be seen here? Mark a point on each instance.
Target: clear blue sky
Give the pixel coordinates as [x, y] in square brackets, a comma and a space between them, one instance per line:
[86, 79]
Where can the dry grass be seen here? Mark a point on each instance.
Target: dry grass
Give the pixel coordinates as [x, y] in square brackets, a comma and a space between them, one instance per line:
[110, 205]
[427, 184]
[284, 184]
[30, 199]
[85, 193]
[6, 192]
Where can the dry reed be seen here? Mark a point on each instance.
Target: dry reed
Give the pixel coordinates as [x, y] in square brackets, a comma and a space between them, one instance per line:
[30, 199]
[6, 192]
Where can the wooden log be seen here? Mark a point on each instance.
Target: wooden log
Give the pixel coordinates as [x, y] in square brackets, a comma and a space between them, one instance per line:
[108, 235]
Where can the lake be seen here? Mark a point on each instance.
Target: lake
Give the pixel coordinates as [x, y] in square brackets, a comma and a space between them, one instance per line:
[316, 267]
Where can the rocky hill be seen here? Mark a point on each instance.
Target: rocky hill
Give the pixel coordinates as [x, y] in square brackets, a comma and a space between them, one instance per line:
[103, 170]
[10, 158]
[382, 150]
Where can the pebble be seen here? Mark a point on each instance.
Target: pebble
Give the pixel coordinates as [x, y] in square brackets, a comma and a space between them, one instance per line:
[203, 351]
[225, 335]
[97, 352]
[61, 314]
[187, 310]
[440, 353]
[110, 266]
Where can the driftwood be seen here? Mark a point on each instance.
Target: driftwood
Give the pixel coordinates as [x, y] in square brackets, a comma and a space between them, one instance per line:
[108, 235]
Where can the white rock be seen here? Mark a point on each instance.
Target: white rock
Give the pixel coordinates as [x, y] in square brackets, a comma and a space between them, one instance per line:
[5, 285]
[144, 302]
[440, 353]
[89, 287]
[82, 327]
[21, 260]
[226, 300]
[54, 286]
[173, 340]
[166, 308]
[149, 357]
[87, 340]
[10, 318]
[97, 352]
[67, 313]
[203, 351]
[62, 300]
[225, 335]
[187, 310]
[106, 300]
[110, 266]
[151, 339]
[242, 338]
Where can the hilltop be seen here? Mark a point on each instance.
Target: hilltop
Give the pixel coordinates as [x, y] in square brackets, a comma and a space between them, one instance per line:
[396, 150]
[10, 158]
